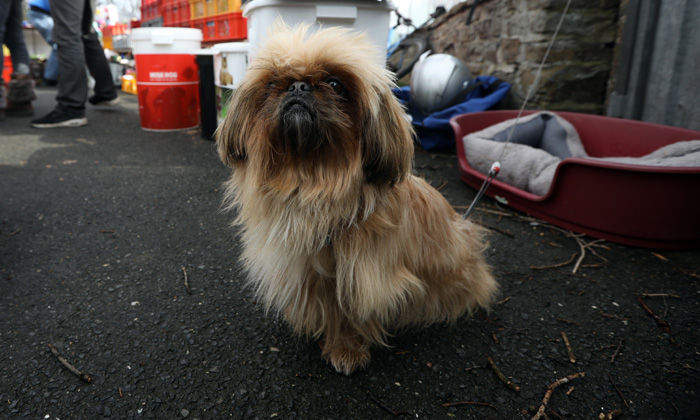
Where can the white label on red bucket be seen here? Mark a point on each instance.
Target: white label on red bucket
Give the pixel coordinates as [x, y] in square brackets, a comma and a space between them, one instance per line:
[163, 75]
[166, 68]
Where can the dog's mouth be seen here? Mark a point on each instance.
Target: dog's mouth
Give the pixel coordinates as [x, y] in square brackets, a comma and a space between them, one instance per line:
[298, 125]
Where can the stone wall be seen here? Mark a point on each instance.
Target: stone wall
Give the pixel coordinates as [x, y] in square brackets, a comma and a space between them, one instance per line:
[508, 39]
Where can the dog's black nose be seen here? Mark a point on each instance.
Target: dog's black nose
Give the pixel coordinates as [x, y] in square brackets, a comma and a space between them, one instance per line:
[300, 87]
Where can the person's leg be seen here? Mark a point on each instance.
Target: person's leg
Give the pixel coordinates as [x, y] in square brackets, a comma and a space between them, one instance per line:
[67, 33]
[72, 85]
[105, 90]
[14, 37]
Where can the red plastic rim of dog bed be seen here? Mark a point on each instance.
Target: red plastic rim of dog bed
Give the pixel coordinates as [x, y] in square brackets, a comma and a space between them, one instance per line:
[644, 206]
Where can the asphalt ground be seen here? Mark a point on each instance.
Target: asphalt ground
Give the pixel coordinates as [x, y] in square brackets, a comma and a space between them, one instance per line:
[115, 251]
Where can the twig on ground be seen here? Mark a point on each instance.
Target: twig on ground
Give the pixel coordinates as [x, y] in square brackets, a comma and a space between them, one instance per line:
[688, 272]
[187, 283]
[569, 349]
[568, 321]
[385, 408]
[82, 375]
[550, 390]
[607, 315]
[500, 302]
[544, 267]
[665, 327]
[578, 237]
[618, 390]
[483, 404]
[501, 376]
[495, 229]
[617, 350]
[442, 185]
[662, 323]
[646, 295]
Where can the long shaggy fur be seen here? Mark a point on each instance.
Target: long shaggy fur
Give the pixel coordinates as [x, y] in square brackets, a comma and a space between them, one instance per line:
[339, 237]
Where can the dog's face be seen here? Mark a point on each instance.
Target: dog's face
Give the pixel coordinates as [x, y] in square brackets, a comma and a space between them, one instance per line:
[317, 99]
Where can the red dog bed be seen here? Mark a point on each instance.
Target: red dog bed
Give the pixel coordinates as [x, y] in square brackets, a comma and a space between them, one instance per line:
[646, 206]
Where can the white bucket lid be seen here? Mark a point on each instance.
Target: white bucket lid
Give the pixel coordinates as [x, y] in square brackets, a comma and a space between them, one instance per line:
[166, 36]
[231, 47]
[374, 4]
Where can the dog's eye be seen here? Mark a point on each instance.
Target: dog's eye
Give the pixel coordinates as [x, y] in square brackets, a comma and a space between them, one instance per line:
[271, 84]
[336, 86]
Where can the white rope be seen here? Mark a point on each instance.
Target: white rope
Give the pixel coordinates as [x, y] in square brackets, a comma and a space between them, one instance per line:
[496, 167]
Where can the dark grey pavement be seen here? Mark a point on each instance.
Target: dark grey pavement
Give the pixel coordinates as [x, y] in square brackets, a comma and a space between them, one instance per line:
[99, 224]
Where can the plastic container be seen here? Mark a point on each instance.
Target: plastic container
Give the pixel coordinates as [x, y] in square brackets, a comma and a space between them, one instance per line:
[207, 100]
[644, 206]
[129, 84]
[228, 6]
[202, 8]
[222, 28]
[230, 64]
[370, 16]
[176, 13]
[150, 10]
[7, 68]
[167, 77]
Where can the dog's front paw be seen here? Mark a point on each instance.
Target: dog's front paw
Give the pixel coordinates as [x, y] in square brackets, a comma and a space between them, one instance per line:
[346, 359]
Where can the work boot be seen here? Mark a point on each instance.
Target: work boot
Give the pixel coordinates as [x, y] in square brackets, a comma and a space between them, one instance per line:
[20, 94]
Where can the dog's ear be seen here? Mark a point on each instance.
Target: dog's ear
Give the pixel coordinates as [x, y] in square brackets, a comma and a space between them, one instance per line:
[232, 133]
[387, 143]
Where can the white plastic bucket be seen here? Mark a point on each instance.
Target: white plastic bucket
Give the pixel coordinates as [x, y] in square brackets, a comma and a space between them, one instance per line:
[230, 64]
[369, 16]
[167, 77]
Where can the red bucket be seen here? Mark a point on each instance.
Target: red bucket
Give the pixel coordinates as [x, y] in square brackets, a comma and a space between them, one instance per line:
[167, 77]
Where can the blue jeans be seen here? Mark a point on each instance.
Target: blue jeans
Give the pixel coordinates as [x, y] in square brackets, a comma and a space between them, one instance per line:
[11, 34]
[43, 22]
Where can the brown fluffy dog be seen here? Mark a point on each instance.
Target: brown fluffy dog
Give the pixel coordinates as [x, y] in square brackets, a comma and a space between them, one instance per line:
[338, 236]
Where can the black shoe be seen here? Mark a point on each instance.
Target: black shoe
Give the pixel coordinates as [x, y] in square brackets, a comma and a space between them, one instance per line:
[103, 101]
[58, 119]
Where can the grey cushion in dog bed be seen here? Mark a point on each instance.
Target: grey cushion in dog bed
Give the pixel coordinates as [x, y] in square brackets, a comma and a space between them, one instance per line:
[541, 141]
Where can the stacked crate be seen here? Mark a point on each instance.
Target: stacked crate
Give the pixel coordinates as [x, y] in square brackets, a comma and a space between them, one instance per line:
[219, 20]
[176, 13]
[116, 37]
[151, 14]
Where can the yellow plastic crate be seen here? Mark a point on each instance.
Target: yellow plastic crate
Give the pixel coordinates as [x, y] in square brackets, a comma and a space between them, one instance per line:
[129, 84]
[202, 8]
[227, 6]
[107, 42]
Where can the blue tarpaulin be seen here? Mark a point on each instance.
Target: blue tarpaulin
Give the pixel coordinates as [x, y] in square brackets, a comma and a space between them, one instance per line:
[434, 131]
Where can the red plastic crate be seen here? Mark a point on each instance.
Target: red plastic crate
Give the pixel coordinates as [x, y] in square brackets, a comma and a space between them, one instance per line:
[231, 27]
[181, 16]
[225, 27]
[150, 9]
